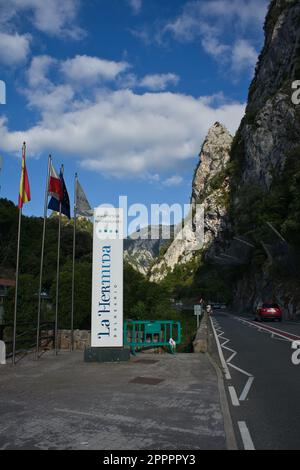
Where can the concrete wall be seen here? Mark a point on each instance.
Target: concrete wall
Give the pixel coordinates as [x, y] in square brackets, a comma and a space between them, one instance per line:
[200, 344]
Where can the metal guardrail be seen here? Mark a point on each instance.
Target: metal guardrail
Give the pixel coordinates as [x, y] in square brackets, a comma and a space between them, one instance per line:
[26, 339]
[151, 334]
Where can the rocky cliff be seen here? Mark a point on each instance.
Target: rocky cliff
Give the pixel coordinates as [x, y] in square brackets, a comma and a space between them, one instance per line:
[210, 189]
[143, 247]
[271, 127]
[251, 191]
[265, 157]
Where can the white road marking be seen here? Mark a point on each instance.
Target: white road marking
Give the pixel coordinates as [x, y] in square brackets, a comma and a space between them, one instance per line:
[223, 362]
[240, 370]
[246, 437]
[233, 396]
[234, 353]
[246, 390]
[264, 329]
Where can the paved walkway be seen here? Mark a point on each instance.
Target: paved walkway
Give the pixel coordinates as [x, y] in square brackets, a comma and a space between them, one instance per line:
[155, 402]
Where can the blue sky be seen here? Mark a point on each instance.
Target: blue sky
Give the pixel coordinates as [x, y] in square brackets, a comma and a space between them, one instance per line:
[121, 91]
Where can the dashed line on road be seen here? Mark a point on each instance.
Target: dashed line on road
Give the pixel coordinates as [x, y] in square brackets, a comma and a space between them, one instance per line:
[246, 390]
[246, 437]
[233, 396]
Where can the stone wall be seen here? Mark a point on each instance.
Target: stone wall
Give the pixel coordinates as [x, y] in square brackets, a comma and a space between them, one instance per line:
[82, 339]
[200, 343]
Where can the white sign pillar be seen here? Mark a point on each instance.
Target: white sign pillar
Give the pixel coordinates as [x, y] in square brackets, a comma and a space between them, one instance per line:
[2, 353]
[107, 289]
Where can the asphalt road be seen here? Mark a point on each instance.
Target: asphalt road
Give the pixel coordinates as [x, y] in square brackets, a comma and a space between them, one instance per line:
[262, 383]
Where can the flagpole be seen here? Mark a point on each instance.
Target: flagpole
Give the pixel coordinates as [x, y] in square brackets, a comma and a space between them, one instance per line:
[73, 268]
[16, 289]
[57, 275]
[42, 261]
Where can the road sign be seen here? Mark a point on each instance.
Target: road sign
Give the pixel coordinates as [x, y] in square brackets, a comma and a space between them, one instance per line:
[197, 309]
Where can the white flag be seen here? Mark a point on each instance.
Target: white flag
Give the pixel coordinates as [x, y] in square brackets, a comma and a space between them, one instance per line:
[82, 204]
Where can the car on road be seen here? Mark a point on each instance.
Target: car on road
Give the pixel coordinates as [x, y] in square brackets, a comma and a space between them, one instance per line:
[218, 306]
[268, 312]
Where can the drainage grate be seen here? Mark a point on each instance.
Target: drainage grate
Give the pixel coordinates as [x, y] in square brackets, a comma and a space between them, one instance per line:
[146, 361]
[146, 380]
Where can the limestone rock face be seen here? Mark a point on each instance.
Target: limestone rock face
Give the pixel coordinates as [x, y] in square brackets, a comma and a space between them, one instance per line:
[271, 127]
[143, 247]
[214, 156]
[209, 189]
[268, 134]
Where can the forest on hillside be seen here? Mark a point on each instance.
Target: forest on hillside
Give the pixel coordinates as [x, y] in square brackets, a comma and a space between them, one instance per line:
[142, 299]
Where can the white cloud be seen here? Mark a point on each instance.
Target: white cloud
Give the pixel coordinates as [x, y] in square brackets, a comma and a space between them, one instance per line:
[210, 21]
[215, 48]
[92, 69]
[212, 16]
[174, 180]
[124, 134]
[159, 82]
[54, 17]
[243, 56]
[136, 5]
[14, 48]
[36, 74]
[248, 12]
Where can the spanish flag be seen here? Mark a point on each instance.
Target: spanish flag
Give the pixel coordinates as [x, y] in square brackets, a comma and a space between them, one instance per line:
[24, 195]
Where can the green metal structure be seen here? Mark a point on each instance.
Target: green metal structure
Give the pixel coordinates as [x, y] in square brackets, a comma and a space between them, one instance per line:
[151, 334]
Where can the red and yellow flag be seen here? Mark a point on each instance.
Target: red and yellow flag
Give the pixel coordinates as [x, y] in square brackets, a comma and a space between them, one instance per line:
[24, 195]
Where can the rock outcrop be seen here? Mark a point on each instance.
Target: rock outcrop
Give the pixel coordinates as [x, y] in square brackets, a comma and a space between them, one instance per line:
[266, 152]
[209, 189]
[271, 127]
[143, 247]
[250, 187]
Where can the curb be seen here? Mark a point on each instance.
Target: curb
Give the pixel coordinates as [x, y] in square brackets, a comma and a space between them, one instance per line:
[228, 425]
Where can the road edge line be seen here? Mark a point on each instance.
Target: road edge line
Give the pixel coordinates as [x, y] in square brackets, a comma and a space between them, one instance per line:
[221, 355]
[246, 436]
[231, 442]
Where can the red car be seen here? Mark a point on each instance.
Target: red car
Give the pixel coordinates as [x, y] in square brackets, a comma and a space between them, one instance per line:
[268, 312]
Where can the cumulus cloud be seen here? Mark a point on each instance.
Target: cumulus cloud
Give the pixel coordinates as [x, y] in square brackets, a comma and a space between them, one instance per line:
[14, 48]
[159, 82]
[208, 21]
[116, 132]
[243, 55]
[38, 69]
[125, 134]
[91, 69]
[54, 17]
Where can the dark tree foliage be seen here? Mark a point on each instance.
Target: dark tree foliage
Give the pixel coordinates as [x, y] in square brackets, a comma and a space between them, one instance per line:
[142, 299]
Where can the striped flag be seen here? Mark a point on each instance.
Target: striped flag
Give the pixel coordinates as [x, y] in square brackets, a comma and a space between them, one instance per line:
[55, 188]
[24, 194]
[61, 205]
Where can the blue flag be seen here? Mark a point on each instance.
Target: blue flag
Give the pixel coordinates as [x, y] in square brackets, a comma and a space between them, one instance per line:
[65, 202]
